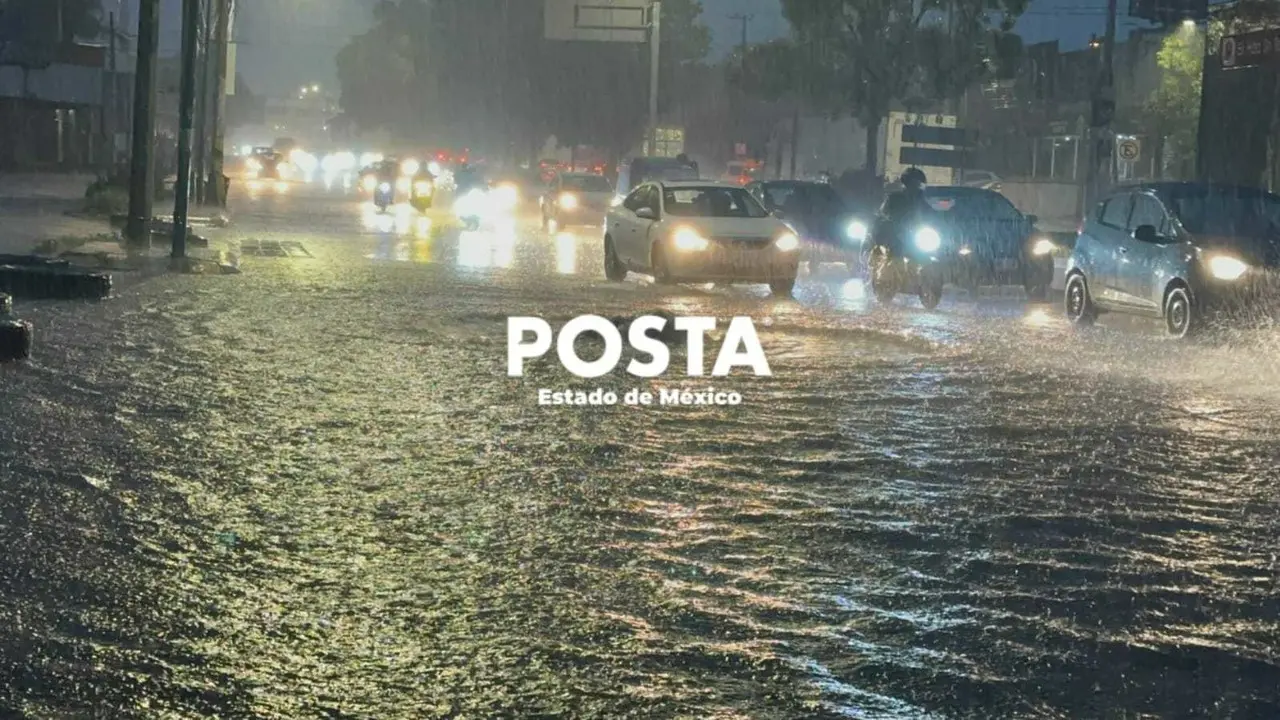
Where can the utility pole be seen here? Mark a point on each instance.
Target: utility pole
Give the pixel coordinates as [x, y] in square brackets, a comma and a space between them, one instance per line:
[109, 102]
[1102, 113]
[200, 153]
[740, 95]
[655, 43]
[186, 110]
[1201, 125]
[142, 189]
[222, 38]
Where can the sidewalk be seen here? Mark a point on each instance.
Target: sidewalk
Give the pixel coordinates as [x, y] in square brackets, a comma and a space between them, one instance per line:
[44, 186]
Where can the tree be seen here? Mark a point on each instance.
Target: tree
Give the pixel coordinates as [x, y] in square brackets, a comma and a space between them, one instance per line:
[878, 52]
[1174, 106]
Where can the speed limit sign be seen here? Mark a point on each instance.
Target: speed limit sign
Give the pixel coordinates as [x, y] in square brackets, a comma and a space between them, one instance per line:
[1130, 149]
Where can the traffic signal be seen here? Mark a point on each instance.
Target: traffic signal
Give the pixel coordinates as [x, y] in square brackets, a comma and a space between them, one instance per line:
[1102, 112]
[1169, 11]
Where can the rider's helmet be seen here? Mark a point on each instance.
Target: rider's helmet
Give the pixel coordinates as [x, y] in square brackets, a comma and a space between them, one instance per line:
[913, 179]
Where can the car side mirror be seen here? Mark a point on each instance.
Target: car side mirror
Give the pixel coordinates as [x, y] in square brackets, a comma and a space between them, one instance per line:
[1146, 234]
[646, 213]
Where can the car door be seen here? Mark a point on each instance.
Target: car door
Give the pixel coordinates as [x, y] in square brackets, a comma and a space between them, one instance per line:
[1141, 262]
[650, 199]
[1105, 245]
[623, 225]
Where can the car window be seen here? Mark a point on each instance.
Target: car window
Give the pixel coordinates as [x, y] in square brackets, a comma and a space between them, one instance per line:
[1148, 211]
[651, 198]
[586, 183]
[712, 202]
[973, 205]
[637, 199]
[1115, 212]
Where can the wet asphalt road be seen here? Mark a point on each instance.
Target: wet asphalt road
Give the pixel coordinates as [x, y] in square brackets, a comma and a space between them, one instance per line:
[310, 491]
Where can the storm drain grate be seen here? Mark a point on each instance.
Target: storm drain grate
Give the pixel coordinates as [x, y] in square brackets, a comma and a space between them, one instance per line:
[274, 248]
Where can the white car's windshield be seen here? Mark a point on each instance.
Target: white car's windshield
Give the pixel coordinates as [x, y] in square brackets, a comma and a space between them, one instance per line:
[712, 202]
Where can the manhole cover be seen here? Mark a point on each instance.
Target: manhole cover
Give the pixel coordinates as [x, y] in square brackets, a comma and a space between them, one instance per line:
[274, 248]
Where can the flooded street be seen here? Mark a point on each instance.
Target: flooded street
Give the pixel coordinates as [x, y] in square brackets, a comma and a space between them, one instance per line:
[311, 491]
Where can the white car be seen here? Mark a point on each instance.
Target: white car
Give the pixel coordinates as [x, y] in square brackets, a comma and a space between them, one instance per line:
[699, 231]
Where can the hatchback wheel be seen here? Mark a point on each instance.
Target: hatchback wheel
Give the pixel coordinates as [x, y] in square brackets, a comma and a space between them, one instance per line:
[1079, 306]
[613, 268]
[1181, 318]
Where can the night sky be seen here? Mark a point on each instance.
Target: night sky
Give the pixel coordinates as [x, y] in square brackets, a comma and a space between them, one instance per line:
[288, 43]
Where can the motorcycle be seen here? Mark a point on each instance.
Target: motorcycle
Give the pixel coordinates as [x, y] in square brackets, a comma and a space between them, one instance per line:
[911, 265]
[384, 196]
[422, 194]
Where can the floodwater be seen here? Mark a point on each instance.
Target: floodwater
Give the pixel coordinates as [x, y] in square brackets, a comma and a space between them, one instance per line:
[312, 491]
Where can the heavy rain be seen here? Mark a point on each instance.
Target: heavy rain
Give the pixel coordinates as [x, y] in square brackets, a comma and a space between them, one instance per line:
[1009, 449]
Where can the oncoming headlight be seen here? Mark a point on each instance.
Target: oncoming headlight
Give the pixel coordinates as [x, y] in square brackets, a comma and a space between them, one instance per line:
[787, 242]
[688, 239]
[385, 187]
[569, 201]
[1225, 267]
[410, 167]
[422, 187]
[857, 231]
[1043, 246]
[928, 239]
[370, 183]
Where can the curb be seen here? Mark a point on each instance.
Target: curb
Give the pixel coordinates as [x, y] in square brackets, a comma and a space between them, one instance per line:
[15, 340]
[53, 283]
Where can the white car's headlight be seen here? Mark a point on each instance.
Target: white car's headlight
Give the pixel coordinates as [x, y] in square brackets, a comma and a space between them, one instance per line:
[787, 242]
[688, 239]
[1225, 267]
[857, 231]
[928, 239]
[1043, 246]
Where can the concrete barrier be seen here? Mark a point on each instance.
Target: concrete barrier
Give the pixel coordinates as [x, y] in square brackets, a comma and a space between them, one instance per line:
[1045, 199]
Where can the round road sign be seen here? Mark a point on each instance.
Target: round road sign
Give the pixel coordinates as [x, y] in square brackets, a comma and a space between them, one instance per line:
[1130, 149]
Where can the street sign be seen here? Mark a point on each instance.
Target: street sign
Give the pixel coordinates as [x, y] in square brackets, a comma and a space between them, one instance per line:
[934, 157]
[937, 135]
[1169, 11]
[1129, 149]
[1251, 49]
[597, 20]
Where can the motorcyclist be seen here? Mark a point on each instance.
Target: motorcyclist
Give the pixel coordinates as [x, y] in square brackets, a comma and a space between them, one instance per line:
[906, 208]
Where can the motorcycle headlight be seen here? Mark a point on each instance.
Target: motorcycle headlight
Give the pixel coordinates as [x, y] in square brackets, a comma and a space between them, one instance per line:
[1225, 267]
[1043, 246]
[857, 231]
[688, 239]
[410, 167]
[569, 201]
[787, 242]
[928, 239]
[422, 187]
[385, 187]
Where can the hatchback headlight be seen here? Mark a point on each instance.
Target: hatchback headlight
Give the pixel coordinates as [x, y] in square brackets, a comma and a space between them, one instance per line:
[1225, 267]
[688, 239]
[1043, 246]
[857, 231]
[787, 242]
[928, 239]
